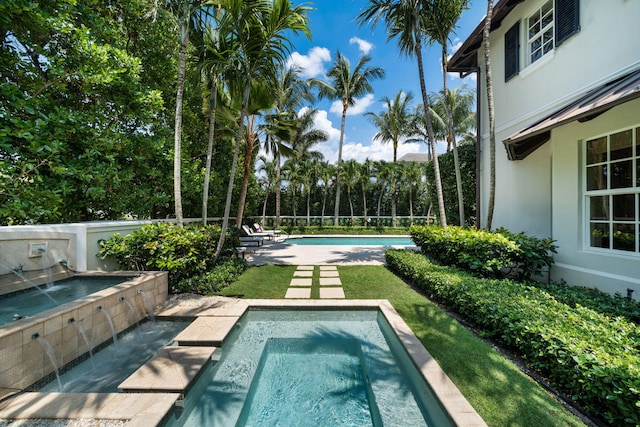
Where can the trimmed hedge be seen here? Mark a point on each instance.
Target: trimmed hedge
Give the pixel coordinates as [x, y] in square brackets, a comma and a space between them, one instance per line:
[182, 251]
[593, 358]
[500, 254]
[222, 275]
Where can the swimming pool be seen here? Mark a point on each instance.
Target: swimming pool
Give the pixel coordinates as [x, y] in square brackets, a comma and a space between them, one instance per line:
[311, 368]
[352, 240]
[32, 301]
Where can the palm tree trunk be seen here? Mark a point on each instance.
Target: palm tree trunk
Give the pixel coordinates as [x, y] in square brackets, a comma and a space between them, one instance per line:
[432, 141]
[393, 200]
[177, 138]
[232, 172]
[247, 170]
[264, 205]
[336, 220]
[278, 190]
[308, 208]
[452, 137]
[492, 119]
[207, 169]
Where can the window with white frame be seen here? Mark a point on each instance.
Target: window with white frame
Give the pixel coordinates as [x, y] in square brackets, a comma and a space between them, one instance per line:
[540, 32]
[612, 178]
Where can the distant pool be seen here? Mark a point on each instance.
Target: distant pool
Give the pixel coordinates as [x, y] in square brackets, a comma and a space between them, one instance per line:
[353, 240]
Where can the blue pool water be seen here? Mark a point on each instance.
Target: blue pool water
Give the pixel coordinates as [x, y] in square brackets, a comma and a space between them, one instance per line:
[353, 241]
[32, 301]
[309, 368]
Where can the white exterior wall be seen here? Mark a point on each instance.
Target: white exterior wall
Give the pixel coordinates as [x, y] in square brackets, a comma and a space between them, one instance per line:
[542, 194]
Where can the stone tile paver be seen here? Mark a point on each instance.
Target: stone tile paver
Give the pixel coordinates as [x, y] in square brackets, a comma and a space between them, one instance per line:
[298, 293]
[171, 370]
[303, 273]
[300, 282]
[207, 331]
[331, 293]
[330, 281]
[305, 267]
[329, 274]
[328, 268]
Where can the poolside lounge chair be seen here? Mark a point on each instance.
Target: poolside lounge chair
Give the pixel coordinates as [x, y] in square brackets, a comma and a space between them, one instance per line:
[259, 229]
[250, 233]
[258, 241]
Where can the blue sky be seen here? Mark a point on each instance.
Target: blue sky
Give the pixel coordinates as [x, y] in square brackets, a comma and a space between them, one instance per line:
[334, 27]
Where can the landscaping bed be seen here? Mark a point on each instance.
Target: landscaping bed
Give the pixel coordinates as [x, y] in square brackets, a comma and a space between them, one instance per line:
[590, 356]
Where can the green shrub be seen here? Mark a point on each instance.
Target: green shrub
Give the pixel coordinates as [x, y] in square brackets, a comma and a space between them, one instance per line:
[499, 254]
[221, 276]
[593, 358]
[182, 251]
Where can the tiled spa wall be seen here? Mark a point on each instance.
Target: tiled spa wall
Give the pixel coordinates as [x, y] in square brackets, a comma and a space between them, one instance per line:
[23, 360]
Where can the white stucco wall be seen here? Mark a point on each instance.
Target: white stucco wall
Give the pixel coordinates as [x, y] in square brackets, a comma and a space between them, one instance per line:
[541, 194]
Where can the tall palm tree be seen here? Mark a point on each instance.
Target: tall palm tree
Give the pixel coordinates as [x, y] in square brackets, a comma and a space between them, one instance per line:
[257, 31]
[267, 180]
[290, 92]
[366, 172]
[452, 111]
[351, 177]
[346, 85]
[327, 175]
[406, 20]
[305, 136]
[189, 14]
[412, 174]
[486, 31]
[444, 16]
[394, 122]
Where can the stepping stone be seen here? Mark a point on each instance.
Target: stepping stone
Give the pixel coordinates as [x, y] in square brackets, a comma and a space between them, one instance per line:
[207, 331]
[329, 274]
[332, 293]
[303, 273]
[298, 293]
[330, 281]
[300, 282]
[305, 267]
[328, 268]
[171, 370]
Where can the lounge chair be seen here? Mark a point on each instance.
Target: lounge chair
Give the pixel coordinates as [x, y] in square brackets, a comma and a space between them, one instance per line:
[275, 233]
[258, 241]
[250, 233]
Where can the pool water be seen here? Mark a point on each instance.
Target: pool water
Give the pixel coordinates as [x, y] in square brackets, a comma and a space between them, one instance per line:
[353, 241]
[31, 301]
[116, 362]
[307, 368]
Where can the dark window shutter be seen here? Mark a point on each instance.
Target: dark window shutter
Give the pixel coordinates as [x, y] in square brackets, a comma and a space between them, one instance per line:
[512, 52]
[567, 19]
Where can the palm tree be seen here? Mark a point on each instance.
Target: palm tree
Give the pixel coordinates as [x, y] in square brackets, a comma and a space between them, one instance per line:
[406, 20]
[346, 85]
[189, 15]
[351, 177]
[366, 172]
[326, 174]
[305, 136]
[412, 173]
[394, 122]
[441, 24]
[257, 30]
[492, 119]
[452, 111]
[268, 168]
[290, 92]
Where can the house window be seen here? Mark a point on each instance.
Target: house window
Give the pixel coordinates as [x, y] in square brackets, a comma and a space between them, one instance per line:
[540, 32]
[613, 191]
[546, 29]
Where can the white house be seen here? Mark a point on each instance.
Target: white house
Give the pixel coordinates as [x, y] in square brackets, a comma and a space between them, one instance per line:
[566, 80]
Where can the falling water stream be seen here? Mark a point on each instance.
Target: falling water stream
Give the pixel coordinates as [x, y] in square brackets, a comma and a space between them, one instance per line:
[110, 320]
[52, 357]
[131, 309]
[46, 268]
[148, 304]
[84, 337]
[33, 285]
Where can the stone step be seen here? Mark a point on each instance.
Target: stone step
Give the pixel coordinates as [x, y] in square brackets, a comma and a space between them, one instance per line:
[207, 331]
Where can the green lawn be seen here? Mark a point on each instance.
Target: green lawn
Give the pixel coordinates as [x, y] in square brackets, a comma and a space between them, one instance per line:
[496, 388]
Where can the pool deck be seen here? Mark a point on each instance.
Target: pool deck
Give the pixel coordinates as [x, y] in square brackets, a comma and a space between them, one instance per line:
[277, 252]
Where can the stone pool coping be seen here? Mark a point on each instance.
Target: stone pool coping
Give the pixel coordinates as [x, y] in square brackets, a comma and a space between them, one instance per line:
[140, 411]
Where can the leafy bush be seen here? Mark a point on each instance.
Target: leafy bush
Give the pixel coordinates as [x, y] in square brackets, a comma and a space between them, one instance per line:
[221, 276]
[499, 254]
[182, 251]
[593, 358]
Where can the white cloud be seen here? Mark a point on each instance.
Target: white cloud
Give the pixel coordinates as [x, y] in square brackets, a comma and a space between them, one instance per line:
[312, 63]
[364, 46]
[359, 107]
[379, 151]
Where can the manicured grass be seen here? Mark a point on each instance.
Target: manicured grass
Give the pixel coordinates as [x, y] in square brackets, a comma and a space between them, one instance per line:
[497, 389]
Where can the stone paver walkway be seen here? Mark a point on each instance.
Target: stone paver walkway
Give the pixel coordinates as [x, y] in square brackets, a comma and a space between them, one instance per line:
[303, 279]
